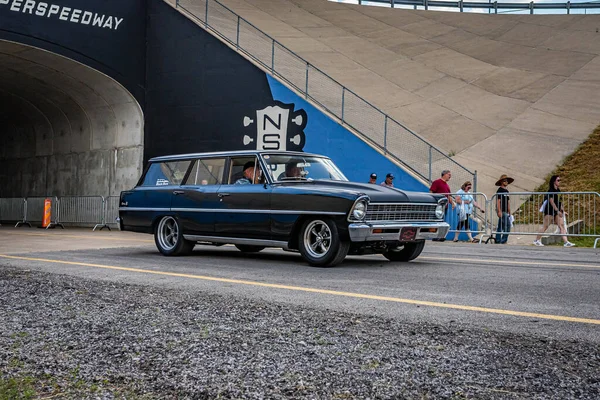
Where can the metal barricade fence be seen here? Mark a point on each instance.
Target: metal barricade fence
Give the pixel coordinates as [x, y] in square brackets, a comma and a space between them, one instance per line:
[582, 214]
[80, 210]
[12, 209]
[111, 211]
[475, 222]
[34, 210]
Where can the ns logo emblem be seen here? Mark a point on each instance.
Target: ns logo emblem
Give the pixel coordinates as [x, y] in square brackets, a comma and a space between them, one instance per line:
[276, 127]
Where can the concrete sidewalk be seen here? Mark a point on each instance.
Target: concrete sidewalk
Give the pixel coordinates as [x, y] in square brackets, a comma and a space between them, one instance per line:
[29, 240]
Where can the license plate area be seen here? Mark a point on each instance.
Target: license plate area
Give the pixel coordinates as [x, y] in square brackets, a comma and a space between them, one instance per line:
[408, 234]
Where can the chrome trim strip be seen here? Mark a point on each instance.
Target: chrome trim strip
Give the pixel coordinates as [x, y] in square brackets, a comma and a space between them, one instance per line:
[362, 232]
[143, 209]
[403, 204]
[231, 240]
[234, 210]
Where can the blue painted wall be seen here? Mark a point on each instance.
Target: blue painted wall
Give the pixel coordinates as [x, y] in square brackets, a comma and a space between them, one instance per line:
[355, 158]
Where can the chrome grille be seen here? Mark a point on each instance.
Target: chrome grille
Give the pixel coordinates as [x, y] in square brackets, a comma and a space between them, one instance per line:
[401, 212]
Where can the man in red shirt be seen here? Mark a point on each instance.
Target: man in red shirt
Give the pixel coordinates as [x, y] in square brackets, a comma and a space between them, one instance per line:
[441, 186]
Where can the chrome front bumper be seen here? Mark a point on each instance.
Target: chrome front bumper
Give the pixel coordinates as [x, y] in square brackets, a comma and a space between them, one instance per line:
[363, 232]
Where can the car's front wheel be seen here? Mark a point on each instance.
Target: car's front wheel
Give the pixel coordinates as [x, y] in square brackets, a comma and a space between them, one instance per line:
[247, 248]
[168, 237]
[406, 252]
[320, 244]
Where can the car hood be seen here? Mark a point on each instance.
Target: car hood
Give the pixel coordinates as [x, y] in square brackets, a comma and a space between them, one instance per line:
[376, 193]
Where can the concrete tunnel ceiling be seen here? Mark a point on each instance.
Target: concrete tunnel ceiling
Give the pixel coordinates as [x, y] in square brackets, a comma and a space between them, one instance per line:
[66, 129]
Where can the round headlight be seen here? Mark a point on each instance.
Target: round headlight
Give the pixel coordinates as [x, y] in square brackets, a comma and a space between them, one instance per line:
[360, 210]
[439, 211]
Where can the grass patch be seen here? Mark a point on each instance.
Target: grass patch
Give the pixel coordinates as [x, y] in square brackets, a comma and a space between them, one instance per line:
[579, 171]
[17, 388]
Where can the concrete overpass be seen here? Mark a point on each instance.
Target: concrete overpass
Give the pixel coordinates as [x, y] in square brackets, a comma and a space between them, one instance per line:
[508, 94]
[85, 101]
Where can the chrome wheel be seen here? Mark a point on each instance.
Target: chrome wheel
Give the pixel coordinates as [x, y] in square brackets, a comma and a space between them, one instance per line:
[320, 244]
[317, 239]
[167, 233]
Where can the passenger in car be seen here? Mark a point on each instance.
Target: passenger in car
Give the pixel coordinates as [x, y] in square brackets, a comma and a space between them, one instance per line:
[251, 174]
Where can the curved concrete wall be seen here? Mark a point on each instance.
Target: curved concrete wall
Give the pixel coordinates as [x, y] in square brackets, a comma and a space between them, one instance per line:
[67, 129]
[504, 93]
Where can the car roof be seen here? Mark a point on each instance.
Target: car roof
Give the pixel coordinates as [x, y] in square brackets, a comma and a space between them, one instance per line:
[230, 153]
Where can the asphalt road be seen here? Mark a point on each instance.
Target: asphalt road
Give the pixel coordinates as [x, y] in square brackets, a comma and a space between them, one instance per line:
[551, 291]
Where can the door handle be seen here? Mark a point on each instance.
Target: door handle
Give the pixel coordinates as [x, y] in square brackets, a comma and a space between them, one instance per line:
[221, 195]
[176, 192]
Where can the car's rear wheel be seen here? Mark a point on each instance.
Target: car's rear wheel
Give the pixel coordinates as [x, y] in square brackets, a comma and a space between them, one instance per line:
[168, 237]
[407, 252]
[247, 248]
[320, 244]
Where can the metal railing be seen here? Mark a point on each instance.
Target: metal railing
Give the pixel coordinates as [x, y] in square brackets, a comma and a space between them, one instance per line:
[582, 216]
[583, 213]
[394, 139]
[474, 223]
[491, 6]
[97, 211]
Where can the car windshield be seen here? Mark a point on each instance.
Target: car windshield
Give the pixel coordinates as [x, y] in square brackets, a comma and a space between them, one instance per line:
[290, 167]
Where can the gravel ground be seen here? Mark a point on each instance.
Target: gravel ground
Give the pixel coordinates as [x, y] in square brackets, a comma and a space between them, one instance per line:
[66, 337]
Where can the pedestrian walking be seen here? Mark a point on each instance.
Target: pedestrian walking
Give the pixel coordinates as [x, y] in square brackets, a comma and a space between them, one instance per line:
[503, 208]
[553, 212]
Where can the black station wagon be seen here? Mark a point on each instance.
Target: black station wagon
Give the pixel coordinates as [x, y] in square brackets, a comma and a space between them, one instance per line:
[294, 201]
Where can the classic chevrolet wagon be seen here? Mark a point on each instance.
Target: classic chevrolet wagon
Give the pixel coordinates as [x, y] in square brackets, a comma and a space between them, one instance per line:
[295, 201]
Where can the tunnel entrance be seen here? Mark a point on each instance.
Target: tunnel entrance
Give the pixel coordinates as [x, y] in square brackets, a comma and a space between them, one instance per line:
[65, 129]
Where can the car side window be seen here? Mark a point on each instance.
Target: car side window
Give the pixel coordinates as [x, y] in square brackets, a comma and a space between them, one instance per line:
[206, 172]
[236, 169]
[166, 173]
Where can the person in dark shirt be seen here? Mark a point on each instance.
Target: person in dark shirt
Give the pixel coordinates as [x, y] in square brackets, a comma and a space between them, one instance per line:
[553, 212]
[503, 208]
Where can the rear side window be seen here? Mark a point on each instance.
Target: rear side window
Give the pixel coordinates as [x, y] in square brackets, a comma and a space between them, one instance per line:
[166, 173]
[207, 172]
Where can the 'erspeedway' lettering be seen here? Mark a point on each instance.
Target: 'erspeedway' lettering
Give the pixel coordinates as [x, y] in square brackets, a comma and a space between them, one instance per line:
[74, 15]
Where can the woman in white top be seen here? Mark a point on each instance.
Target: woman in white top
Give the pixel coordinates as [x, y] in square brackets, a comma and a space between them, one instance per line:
[465, 203]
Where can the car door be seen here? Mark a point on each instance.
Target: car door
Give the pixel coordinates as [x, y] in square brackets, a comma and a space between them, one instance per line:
[243, 209]
[196, 199]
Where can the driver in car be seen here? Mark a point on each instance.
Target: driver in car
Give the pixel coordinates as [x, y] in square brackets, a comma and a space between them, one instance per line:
[292, 170]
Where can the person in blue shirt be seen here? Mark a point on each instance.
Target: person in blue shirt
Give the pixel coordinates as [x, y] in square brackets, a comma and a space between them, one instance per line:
[251, 174]
[465, 205]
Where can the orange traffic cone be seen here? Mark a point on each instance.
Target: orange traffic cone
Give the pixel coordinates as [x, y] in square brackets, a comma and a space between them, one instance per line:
[47, 213]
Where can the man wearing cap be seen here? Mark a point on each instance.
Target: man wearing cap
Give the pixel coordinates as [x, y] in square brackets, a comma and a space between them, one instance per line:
[389, 180]
[503, 208]
[373, 179]
[250, 175]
